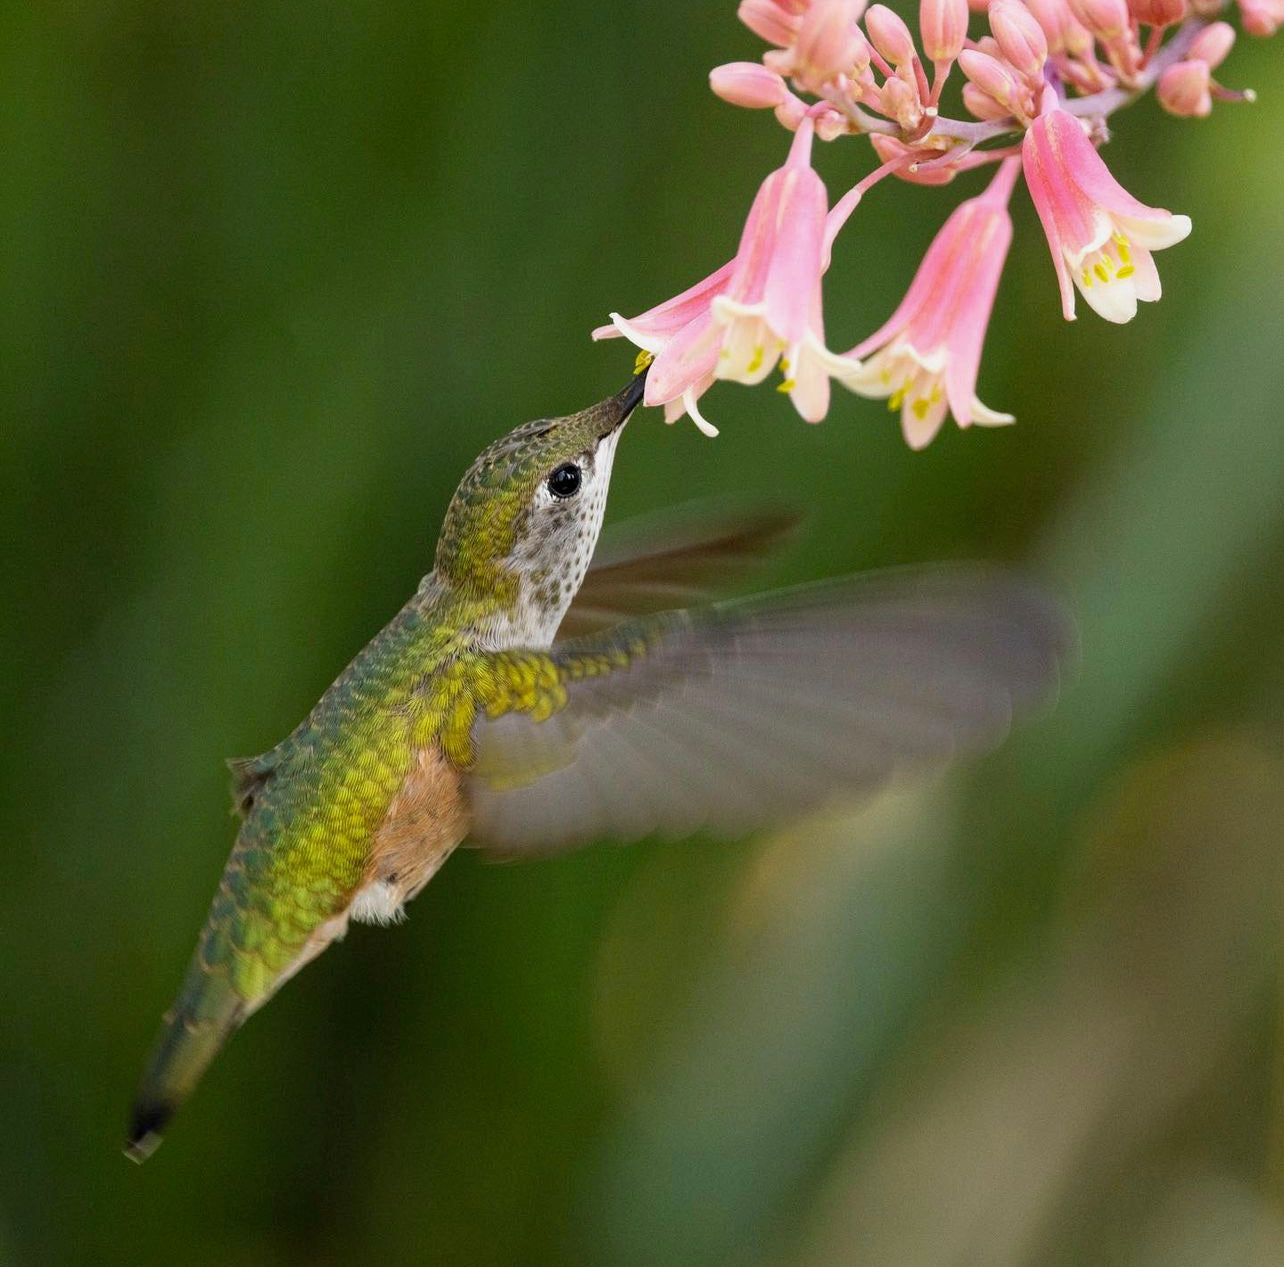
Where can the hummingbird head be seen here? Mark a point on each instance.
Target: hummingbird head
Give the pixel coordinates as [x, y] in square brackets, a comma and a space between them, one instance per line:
[523, 523]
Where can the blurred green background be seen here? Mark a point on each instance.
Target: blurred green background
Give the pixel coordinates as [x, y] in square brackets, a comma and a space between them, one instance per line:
[273, 274]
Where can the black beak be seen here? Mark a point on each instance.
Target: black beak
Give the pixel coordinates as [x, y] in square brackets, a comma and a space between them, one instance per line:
[614, 411]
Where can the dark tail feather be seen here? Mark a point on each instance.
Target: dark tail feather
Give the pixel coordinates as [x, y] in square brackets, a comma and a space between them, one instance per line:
[207, 1011]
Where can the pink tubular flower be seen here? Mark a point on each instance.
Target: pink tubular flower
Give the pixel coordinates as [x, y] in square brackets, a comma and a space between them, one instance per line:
[765, 303]
[772, 302]
[1100, 236]
[926, 357]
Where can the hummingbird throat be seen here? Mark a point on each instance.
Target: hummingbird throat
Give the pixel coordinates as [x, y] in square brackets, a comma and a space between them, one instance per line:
[550, 560]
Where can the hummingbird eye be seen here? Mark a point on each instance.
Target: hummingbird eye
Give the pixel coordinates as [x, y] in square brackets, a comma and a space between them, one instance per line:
[565, 481]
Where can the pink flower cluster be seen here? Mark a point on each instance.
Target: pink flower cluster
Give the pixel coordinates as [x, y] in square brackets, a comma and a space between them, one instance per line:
[1037, 87]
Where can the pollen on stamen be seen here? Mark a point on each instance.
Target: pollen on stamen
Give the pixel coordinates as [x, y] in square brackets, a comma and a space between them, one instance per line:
[920, 408]
[1100, 269]
[755, 364]
[787, 386]
[642, 360]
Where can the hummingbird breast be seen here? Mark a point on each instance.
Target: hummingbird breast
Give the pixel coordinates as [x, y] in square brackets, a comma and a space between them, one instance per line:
[422, 826]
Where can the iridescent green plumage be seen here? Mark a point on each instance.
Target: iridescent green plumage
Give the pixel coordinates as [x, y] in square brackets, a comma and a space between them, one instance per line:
[312, 807]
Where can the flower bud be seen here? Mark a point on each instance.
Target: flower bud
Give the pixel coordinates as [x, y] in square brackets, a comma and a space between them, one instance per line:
[943, 26]
[1105, 19]
[889, 35]
[898, 101]
[1212, 44]
[831, 124]
[1261, 17]
[1183, 90]
[1065, 33]
[982, 105]
[769, 20]
[829, 42]
[991, 76]
[1158, 12]
[791, 112]
[748, 84]
[1020, 37]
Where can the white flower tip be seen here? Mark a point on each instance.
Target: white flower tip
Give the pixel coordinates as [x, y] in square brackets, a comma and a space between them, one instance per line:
[703, 425]
[984, 417]
[686, 404]
[622, 326]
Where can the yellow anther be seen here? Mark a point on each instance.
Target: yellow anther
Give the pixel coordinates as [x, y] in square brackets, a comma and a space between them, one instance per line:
[1087, 277]
[642, 360]
[1100, 270]
[755, 362]
[784, 366]
[788, 385]
[1125, 252]
[920, 408]
[1126, 271]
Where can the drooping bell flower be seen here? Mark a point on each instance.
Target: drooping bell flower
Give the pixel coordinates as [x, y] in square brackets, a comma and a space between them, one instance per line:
[762, 307]
[925, 359]
[1100, 236]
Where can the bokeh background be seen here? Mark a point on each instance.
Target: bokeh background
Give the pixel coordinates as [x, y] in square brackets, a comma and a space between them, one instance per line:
[272, 275]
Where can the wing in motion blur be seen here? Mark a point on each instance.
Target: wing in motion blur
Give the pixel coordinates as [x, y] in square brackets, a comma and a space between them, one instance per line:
[735, 715]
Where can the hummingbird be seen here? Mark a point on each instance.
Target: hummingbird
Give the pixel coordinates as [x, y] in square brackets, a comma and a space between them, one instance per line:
[491, 710]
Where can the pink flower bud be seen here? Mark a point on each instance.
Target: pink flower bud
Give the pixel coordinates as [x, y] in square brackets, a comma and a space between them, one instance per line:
[791, 112]
[889, 35]
[1020, 36]
[1212, 44]
[1261, 17]
[1158, 12]
[983, 105]
[1183, 90]
[771, 20]
[943, 25]
[748, 84]
[897, 100]
[1106, 19]
[1065, 33]
[990, 75]
[831, 124]
[829, 42]
[979, 6]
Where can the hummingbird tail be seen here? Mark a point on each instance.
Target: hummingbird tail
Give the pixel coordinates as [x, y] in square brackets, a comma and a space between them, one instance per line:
[208, 1009]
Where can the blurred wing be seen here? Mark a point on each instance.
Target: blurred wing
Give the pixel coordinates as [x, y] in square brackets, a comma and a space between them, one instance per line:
[753, 711]
[650, 566]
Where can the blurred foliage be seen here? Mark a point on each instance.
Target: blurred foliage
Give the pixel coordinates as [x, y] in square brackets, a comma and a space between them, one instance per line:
[273, 274]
